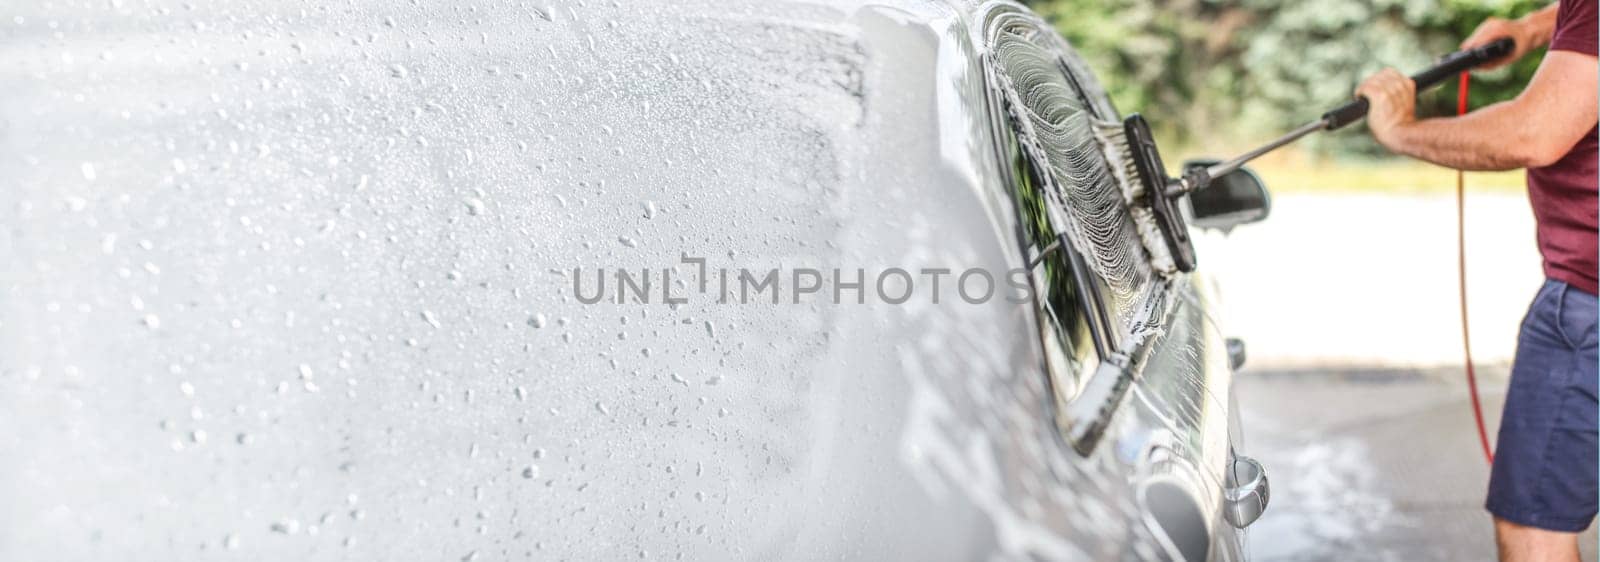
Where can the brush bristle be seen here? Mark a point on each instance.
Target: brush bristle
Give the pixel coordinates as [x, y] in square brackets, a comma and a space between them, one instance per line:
[1113, 139]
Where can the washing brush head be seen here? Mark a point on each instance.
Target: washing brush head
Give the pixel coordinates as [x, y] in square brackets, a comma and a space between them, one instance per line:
[1136, 164]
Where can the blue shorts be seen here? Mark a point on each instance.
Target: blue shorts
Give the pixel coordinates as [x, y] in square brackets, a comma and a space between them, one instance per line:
[1546, 464]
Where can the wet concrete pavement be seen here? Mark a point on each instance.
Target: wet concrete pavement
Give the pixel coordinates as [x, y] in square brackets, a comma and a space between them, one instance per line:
[1371, 464]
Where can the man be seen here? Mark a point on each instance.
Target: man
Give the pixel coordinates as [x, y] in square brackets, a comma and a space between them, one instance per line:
[1542, 488]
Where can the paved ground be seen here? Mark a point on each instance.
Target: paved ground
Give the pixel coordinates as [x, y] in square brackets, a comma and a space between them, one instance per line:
[1371, 464]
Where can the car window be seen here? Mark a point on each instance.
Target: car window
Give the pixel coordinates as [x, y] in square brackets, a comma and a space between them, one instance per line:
[1063, 305]
[1055, 107]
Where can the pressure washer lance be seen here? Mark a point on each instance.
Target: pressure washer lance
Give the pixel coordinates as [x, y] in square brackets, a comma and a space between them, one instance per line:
[1141, 152]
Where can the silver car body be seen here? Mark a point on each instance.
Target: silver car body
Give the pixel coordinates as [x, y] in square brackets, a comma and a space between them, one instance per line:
[285, 280]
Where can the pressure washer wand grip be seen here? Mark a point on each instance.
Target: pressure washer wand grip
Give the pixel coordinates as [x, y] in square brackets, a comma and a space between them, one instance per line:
[1451, 65]
[1345, 114]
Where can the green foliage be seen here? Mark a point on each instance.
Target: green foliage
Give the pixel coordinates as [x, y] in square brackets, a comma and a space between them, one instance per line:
[1214, 71]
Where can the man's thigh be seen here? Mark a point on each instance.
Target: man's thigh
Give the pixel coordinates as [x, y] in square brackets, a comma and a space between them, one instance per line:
[1545, 469]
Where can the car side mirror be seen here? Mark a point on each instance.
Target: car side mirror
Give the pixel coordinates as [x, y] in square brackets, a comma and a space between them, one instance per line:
[1235, 198]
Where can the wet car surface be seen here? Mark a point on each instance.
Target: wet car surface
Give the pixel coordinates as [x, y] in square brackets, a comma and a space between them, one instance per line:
[298, 281]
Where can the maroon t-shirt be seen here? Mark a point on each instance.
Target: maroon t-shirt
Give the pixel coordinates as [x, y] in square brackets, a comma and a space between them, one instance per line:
[1564, 193]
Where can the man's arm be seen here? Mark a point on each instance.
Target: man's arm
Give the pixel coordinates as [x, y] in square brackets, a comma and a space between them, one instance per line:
[1537, 128]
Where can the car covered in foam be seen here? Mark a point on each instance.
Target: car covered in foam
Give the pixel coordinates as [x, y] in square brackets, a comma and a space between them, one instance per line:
[585, 280]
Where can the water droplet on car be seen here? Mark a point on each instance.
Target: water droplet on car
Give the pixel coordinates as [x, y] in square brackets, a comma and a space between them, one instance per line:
[286, 526]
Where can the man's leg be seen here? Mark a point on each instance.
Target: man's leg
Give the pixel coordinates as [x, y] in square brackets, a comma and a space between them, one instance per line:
[1521, 543]
[1543, 486]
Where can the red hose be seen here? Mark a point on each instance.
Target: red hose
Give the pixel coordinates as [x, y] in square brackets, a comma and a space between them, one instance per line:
[1461, 260]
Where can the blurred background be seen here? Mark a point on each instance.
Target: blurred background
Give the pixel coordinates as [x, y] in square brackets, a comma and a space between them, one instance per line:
[1354, 395]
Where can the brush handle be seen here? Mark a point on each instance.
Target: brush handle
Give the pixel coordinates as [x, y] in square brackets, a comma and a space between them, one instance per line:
[1450, 65]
